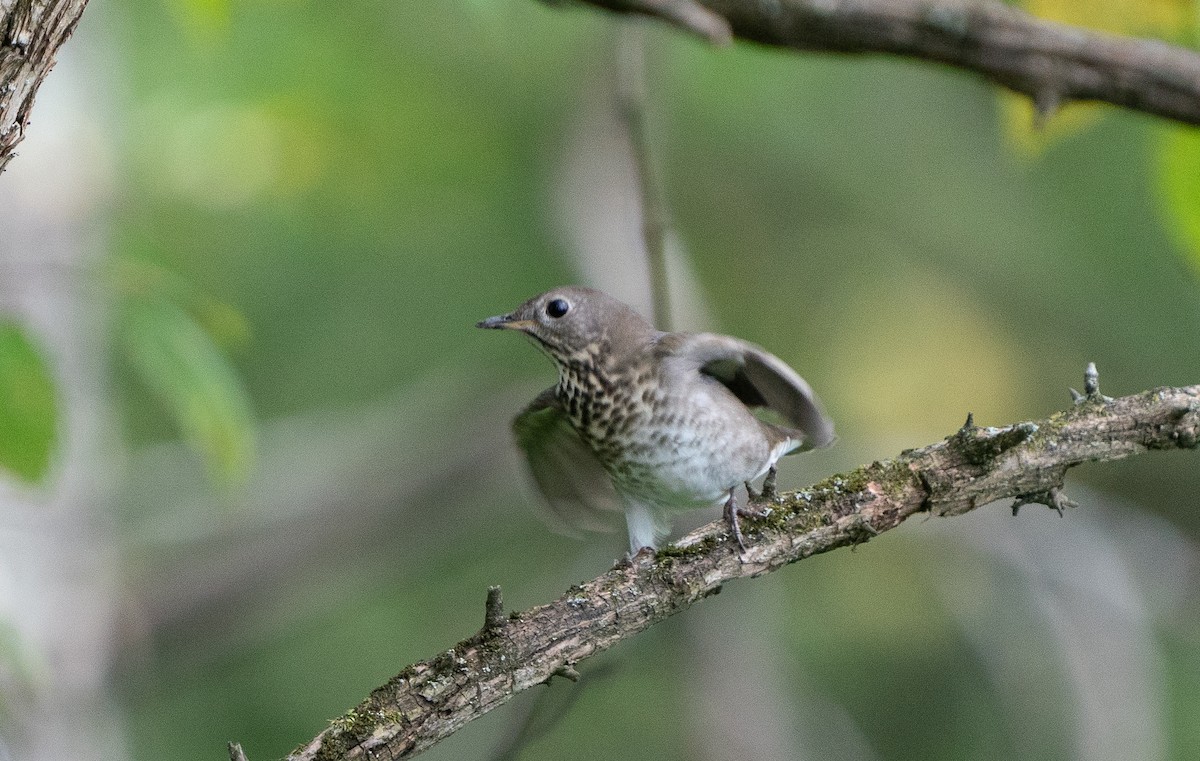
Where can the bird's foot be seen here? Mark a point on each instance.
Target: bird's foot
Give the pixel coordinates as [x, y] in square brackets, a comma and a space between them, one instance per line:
[733, 511]
[768, 492]
[768, 489]
[1052, 498]
[633, 556]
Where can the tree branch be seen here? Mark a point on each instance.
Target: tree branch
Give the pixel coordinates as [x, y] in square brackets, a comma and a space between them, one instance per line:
[975, 466]
[1051, 63]
[31, 32]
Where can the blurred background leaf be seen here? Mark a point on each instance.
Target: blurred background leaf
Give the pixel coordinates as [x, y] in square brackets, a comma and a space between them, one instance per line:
[1175, 20]
[1179, 182]
[28, 408]
[180, 362]
[204, 21]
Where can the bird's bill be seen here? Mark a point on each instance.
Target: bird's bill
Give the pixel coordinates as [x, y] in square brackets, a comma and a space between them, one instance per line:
[505, 322]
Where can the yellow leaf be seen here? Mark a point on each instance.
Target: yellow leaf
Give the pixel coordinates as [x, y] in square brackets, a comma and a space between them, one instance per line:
[1165, 19]
[1021, 125]
[1156, 18]
[920, 364]
[1179, 185]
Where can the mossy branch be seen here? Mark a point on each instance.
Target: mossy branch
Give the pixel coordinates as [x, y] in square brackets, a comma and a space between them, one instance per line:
[1025, 462]
[31, 32]
[1051, 63]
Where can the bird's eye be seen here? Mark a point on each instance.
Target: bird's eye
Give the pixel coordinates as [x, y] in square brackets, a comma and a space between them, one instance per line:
[557, 308]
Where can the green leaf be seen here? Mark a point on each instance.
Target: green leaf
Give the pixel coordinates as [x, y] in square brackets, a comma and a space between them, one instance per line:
[1179, 183]
[205, 21]
[28, 409]
[179, 361]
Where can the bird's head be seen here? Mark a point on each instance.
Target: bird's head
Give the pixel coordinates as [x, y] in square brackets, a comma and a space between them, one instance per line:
[569, 321]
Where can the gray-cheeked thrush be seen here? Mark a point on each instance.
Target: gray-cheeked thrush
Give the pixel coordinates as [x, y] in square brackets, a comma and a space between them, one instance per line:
[649, 422]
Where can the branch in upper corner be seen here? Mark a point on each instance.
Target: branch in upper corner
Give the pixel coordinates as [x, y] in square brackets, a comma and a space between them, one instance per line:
[30, 35]
[1027, 462]
[1051, 63]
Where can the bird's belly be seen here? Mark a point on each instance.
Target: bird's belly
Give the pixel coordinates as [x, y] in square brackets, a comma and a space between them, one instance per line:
[681, 484]
[689, 465]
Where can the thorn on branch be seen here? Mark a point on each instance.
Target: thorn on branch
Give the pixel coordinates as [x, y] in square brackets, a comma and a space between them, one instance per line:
[1091, 379]
[1091, 387]
[1185, 436]
[694, 17]
[1046, 103]
[493, 611]
[687, 14]
[566, 671]
[860, 530]
[969, 425]
[979, 446]
[236, 753]
[1052, 498]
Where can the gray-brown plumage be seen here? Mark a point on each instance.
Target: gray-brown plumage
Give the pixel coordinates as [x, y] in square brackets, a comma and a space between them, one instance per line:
[650, 422]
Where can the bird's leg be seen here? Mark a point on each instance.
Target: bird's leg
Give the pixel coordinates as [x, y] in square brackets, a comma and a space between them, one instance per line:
[732, 511]
[731, 517]
[768, 493]
[768, 487]
[752, 495]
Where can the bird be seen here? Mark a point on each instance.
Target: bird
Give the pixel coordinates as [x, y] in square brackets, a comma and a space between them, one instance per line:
[651, 422]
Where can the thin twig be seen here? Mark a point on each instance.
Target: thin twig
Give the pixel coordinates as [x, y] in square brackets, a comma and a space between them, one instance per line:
[631, 102]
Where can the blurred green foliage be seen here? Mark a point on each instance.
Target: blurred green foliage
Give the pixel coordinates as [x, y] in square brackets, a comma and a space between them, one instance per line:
[28, 407]
[178, 360]
[317, 204]
[176, 342]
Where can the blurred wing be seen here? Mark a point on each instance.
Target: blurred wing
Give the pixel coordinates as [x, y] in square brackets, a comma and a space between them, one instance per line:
[759, 379]
[576, 487]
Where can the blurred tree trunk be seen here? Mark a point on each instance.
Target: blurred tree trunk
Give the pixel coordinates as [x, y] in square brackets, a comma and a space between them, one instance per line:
[59, 577]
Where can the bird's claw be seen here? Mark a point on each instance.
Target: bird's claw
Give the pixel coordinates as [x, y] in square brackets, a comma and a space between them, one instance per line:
[733, 511]
[768, 492]
[1052, 498]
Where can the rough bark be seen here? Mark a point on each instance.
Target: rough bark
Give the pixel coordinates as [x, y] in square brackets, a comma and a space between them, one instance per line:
[1052, 63]
[975, 466]
[31, 32]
